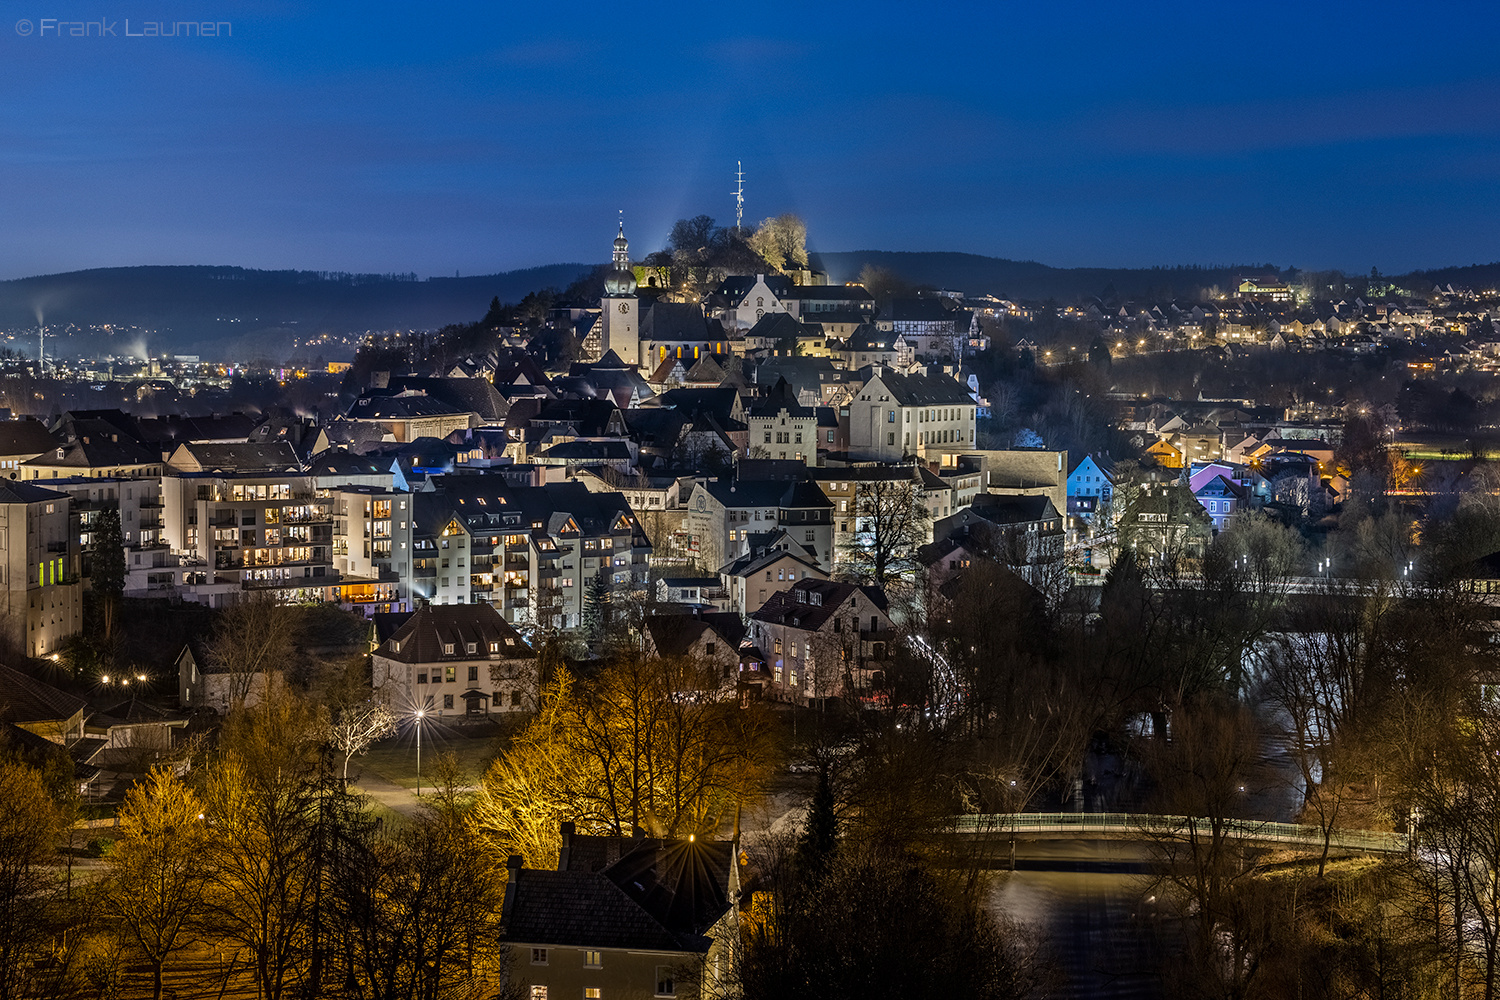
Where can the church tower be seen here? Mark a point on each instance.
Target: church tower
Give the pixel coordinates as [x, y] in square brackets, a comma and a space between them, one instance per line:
[620, 310]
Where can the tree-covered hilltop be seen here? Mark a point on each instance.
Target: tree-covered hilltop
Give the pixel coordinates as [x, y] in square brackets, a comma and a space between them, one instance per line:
[201, 309]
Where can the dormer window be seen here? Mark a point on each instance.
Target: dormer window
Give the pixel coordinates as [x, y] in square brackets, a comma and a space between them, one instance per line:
[471, 647]
[447, 649]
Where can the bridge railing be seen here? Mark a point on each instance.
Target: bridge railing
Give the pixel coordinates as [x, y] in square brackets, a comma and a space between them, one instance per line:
[1133, 826]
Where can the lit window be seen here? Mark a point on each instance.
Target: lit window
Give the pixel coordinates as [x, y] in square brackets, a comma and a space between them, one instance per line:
[591, 959]
[592, 993]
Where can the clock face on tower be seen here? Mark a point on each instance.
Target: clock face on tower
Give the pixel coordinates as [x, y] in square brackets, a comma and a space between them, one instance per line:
[624, 307]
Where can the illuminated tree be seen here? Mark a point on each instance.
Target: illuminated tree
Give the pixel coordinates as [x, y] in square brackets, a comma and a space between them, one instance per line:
[158, 871]
[891, 522]
[781, 242]
[358, 726]
[646, 743]
[262, 798]
[29, 829]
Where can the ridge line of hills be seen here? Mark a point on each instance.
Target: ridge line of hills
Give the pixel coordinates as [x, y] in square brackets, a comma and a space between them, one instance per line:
[209, 309]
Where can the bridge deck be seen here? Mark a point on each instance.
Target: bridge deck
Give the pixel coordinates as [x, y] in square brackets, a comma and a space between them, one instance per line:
[1140, 826]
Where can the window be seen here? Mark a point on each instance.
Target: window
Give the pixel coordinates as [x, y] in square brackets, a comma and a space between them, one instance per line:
[591, 959]
[422, 678]
[449, 674]
[539, 956]
[890, 416]
[447, 701]
[447, 649]
[664, 985]
[539, 993]
[494, 647]
[515, 699]
[592, 993]
[473, 673]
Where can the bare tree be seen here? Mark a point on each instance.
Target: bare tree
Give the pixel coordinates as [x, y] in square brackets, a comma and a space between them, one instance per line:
[358, 726]
[253, 638]
[891, 522]
[1205, 774]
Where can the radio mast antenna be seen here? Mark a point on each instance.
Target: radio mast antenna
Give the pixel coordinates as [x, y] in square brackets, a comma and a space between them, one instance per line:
[739, 195]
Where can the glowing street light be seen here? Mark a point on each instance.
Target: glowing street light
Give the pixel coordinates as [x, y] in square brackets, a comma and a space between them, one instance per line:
[421, 714]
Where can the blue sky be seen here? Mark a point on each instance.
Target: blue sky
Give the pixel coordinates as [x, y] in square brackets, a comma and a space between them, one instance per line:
[484, 137]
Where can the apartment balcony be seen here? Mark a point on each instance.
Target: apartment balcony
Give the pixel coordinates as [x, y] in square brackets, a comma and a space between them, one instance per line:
[549, 573]
[152, 503]
[317, 517]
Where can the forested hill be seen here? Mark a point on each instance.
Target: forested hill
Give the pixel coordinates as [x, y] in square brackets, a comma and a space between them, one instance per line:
[203, 309]
[1026, 279]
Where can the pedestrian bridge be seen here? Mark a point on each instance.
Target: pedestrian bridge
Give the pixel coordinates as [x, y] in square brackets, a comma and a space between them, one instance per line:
[1145, 826]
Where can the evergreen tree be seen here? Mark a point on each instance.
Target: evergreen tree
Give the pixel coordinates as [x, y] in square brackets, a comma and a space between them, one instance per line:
[820, 837]
[595, 611]
[107, 570]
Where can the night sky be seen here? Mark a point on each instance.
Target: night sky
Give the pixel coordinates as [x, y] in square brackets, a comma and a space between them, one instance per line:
[399, 137]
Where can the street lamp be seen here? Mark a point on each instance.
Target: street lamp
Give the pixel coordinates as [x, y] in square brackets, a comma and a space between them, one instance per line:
[421, 713]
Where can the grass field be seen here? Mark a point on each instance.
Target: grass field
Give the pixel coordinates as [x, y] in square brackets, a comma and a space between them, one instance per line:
[395, 759]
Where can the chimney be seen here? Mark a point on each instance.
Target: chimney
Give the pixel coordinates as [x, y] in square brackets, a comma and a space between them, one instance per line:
[567, 829]
[513, 866]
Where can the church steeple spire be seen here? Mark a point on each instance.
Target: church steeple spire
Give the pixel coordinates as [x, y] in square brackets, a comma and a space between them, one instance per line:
[621, 279]
[622, 246]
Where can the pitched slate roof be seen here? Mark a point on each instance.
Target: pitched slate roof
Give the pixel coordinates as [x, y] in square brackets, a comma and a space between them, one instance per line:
[674, 635]
[636, 893]
[678, 321]
[579, 909]
[737, 286]
[926, 390]
[476, 395]
[25, 437]
[275, 457]
[25, 699]
[98, 445]
[400, 408]
[338, 462]
[423, 636]
[785, 608]
[736, 493]
[15, 491]
[777, 326]
[751, 564]
[780, 398]
[836, 293]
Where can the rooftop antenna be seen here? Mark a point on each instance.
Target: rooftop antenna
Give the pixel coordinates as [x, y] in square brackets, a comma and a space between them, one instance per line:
[739, 195]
